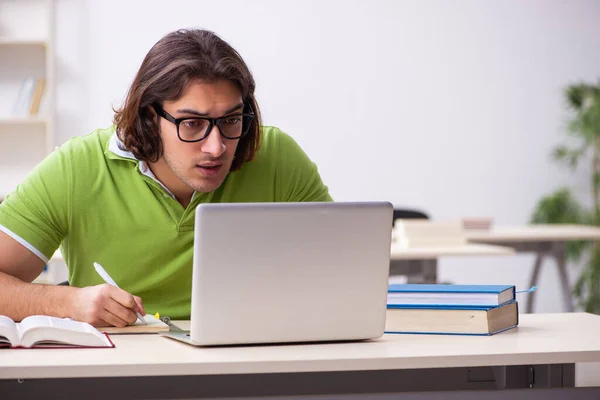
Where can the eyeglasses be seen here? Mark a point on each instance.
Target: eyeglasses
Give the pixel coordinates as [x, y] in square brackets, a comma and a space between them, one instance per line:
[195, 129]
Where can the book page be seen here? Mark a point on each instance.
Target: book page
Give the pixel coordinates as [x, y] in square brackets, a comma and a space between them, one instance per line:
[39, 328]
[37, 321]
[8, 331]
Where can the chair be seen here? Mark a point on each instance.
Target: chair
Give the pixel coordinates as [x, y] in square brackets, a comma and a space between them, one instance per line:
[400, 213]
[416, 271]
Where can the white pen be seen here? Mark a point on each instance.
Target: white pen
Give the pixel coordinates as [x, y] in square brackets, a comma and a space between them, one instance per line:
[110, 281]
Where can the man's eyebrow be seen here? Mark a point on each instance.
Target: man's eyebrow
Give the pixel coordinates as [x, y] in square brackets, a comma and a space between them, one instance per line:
[200, 114]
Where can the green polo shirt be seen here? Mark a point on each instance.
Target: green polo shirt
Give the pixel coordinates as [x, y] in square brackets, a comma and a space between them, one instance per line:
[100, 204]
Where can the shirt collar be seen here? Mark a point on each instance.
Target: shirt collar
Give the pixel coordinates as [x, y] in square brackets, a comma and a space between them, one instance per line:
[117, 147]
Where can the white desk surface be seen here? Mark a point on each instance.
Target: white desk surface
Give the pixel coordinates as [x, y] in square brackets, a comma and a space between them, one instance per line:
[431, 252]
[539, 339]
[534, 233]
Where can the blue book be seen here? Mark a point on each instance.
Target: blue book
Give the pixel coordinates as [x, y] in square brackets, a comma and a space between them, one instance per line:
[474, 321]
[440, 295]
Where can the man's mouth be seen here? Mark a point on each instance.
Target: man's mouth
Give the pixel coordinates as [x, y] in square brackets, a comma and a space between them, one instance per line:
[209, 169]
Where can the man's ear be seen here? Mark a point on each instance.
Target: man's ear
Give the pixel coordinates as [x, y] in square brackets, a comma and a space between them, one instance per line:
[151, 114]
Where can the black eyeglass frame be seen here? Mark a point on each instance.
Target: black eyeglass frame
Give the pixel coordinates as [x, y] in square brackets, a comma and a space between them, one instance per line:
[212, 122]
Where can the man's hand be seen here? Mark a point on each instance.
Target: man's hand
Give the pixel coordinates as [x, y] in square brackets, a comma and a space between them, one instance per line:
[105, 305]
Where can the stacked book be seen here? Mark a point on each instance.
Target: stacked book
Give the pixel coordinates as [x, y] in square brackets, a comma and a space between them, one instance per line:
[451, 309]
[410, 233]
[477, 223]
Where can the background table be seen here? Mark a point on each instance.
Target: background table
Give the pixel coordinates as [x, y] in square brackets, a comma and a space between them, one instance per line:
[419, 264]
[545, 241]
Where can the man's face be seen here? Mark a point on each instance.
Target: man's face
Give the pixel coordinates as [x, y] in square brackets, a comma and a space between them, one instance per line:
[203, 165]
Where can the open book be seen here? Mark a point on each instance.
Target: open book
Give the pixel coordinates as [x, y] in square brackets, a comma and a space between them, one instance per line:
[44, 331]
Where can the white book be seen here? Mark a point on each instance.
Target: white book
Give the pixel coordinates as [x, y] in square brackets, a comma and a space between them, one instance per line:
[44, 331]
[23, 100]
[427, 228]
[425, 233]
[431, 241]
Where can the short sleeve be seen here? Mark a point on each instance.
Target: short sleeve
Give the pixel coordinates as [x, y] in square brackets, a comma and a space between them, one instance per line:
[298, 176]
[36, 212]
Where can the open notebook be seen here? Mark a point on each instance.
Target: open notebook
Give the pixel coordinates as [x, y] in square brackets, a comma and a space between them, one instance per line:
[40, 331]
[154, 325]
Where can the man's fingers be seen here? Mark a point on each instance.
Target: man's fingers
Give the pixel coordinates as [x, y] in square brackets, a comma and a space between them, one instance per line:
[123, 304]
[140, 306]
[125, 314]
[122, 297]
[111, 319]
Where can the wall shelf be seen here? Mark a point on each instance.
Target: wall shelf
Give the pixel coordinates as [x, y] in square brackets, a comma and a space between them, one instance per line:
[27, 41]
[23, 121]
[4, 41]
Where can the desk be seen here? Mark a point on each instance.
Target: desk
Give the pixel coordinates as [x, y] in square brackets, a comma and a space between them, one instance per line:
[544, 240]
[540, 353]
[422, 261]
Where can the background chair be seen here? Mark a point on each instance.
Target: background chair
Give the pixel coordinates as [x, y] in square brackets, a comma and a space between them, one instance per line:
[401, 213]
[416, 271]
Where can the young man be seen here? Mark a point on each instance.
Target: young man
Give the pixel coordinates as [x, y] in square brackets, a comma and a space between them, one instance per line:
[189, 132]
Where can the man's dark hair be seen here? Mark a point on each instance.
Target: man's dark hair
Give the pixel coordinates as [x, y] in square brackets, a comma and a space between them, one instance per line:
[175, 60]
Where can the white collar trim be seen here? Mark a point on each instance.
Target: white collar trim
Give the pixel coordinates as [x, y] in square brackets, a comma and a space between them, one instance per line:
[116, 146]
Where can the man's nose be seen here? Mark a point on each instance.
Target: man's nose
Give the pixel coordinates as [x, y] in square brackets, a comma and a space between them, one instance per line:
[213, 143]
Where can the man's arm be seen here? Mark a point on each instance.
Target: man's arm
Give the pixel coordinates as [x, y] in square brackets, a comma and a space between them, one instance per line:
[18, 297]
[98, 305]
[34, 220]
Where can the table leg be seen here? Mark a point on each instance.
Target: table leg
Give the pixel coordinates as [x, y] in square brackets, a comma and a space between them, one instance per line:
[539, 257]
[430, 271]
[560, 255]
[416, 271]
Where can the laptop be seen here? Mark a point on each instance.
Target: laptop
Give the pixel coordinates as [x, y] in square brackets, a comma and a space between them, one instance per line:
[289, 273]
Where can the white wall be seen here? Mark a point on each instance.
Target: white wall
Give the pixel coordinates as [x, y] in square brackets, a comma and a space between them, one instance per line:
[448, 106]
